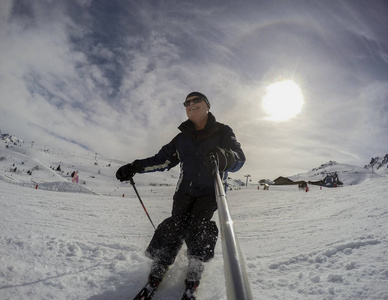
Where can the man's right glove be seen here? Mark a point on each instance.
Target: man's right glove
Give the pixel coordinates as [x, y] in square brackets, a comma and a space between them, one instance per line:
[126, 172]
[224, 157]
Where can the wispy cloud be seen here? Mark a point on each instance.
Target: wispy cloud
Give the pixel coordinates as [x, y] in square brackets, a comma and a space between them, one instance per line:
[110, 76]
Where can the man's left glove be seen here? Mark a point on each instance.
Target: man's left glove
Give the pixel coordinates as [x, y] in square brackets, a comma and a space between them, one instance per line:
[224, 157]
[126, 172]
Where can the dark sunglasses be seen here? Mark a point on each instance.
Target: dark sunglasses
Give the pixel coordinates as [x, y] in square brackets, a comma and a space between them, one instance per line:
[195, 100]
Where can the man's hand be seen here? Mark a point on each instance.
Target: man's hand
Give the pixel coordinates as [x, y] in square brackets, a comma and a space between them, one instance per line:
[224, 157]
[126, 172]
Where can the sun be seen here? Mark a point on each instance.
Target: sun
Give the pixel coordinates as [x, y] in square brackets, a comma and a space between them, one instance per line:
[283, 100]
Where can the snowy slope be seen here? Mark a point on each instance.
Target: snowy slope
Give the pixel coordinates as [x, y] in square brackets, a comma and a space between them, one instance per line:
[89, 243]
[96, 173]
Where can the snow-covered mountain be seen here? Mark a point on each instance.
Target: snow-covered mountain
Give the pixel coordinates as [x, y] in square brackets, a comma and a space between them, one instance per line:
[378, 165]
[348, 174]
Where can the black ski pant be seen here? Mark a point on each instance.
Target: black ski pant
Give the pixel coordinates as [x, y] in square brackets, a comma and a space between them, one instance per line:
[190, 222]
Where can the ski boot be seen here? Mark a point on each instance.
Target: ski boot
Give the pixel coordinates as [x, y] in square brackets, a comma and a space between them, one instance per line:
[157, 273]
[148, 291]
[191, 290]
[193, 276]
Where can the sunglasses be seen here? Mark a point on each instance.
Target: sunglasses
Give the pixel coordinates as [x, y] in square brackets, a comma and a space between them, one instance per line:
[195, 100]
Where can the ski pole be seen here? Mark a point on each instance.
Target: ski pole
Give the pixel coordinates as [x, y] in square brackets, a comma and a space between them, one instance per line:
[141, 202]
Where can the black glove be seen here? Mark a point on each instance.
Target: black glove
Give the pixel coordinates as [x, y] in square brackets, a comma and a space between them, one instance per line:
[224, 157]
[126, 172]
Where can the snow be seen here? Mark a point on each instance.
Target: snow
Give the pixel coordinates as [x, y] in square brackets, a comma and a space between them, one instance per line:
[62, 240]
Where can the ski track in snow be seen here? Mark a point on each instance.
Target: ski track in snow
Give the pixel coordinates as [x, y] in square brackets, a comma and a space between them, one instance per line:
[58, 242]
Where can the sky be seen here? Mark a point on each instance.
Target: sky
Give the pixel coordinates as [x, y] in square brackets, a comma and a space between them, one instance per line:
[110, 76]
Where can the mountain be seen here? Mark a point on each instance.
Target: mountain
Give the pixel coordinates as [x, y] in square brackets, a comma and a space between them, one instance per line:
[348, 174]
[378, 165]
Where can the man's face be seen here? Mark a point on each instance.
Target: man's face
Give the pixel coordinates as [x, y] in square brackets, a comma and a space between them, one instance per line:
[196, 110]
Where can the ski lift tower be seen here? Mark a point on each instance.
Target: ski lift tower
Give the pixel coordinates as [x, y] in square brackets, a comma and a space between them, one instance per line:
[247, 176]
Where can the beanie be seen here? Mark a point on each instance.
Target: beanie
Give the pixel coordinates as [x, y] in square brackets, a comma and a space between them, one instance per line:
[199, 95]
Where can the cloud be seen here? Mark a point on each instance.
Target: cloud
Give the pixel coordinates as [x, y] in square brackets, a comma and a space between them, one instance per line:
[111, 76]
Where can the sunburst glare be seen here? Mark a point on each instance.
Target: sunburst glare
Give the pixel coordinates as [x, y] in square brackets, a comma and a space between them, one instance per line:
[283, 100]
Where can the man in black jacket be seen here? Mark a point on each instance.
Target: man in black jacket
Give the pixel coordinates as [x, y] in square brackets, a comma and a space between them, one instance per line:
[194, 201]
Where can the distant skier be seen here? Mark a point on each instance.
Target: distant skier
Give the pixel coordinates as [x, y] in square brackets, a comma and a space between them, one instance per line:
[194, 201]
[75, 177]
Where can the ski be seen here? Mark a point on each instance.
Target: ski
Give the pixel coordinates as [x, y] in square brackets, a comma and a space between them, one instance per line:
[148, 291]
[191, 290]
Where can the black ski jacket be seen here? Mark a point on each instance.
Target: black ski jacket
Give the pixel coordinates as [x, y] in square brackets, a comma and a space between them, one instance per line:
[188, 148]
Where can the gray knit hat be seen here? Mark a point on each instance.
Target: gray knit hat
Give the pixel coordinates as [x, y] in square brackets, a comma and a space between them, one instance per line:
[199, 95]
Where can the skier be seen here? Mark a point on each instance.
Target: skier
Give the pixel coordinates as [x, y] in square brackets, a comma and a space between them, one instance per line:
[194, 201]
